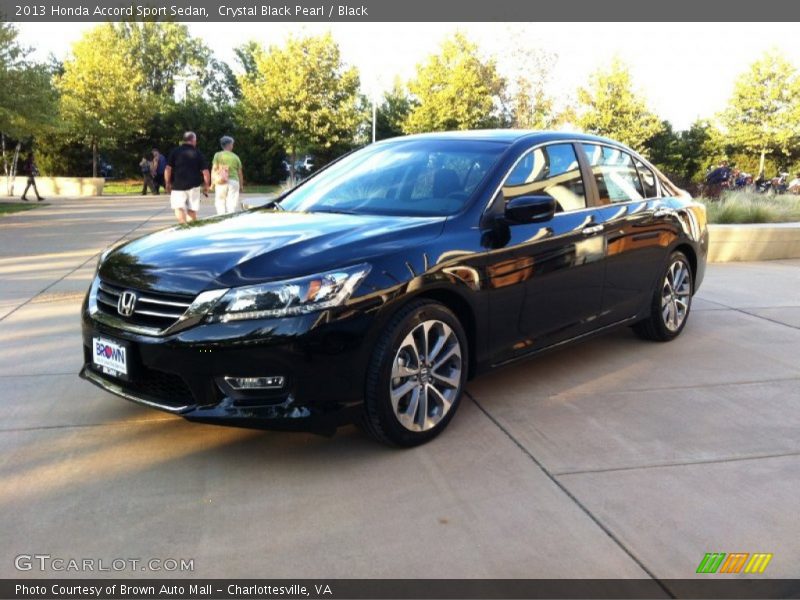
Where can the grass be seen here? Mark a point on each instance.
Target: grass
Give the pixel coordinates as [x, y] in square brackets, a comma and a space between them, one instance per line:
[133, 187]
[6, 208]
[742, 207]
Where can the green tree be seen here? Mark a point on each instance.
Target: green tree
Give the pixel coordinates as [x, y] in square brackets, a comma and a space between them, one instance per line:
[27, 98]
[611, 107]
[161, 52]
[103, 97]
[303, 94]
[763, 115]
[220, 84]
[699, 147]
[532, 107]
[167, 52]
[662, 148]
[247, 56]
[684, 155]
[530, 104]
[392, 112]
[455, 89]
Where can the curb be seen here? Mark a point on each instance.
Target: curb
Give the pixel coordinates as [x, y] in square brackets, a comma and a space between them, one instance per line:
[751, 242]
[52, 187]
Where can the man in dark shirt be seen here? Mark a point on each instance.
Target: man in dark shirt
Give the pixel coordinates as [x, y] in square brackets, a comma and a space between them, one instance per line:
[719, 175]
[186, 177]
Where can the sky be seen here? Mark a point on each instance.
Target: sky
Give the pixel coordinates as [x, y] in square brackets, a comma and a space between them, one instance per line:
[685, 71]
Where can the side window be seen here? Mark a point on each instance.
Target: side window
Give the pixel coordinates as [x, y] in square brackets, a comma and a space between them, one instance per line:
[552, 170]
[648, 179]
[615, 174]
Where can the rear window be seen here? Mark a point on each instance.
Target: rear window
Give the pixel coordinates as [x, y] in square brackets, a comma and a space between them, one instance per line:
[648, 179]
[615, 174]
[667, 187]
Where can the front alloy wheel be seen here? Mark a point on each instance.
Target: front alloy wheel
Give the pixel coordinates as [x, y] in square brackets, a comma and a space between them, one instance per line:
[416, 376]
[426, 375]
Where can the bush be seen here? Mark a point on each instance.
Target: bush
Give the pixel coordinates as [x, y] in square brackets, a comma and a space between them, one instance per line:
[745, 207]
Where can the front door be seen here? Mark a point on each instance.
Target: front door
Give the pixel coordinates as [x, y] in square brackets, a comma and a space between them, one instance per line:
[546, 280]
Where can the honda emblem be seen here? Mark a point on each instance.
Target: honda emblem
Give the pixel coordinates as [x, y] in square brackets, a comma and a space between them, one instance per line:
[126, 303]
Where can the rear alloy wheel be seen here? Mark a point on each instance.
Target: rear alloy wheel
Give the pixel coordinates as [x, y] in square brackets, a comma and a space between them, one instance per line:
[671, 302]
[676, 295]
[417, 375]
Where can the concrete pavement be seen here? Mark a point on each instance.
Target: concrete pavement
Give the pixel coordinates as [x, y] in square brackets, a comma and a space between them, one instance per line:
[613, 458]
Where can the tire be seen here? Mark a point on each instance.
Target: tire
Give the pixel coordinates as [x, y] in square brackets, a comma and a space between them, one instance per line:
[400, 378]
[670, 306]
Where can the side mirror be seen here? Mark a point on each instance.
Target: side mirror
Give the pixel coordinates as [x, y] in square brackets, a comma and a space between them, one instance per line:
[530, 209]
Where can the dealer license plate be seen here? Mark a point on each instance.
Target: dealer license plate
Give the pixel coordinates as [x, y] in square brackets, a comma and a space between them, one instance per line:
[111, 357]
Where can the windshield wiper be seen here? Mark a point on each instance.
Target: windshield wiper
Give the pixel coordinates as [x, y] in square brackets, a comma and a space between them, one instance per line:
[273, 204]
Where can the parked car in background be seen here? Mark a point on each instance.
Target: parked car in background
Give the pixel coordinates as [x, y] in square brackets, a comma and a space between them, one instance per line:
[305, 165]
[104, 168]
[372, 291]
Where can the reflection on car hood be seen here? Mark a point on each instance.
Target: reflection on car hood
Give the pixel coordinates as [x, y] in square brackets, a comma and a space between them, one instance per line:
[256, 246]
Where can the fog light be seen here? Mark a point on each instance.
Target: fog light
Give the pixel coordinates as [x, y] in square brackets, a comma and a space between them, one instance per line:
[256, 383]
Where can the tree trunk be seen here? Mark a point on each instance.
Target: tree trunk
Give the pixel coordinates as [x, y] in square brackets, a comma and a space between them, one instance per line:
[94, 157]
[374, 117]
[14, 163]
[761, 163]
[292, 175]
[5, 163]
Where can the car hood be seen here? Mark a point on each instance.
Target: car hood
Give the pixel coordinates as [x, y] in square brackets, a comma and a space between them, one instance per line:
[257, 246]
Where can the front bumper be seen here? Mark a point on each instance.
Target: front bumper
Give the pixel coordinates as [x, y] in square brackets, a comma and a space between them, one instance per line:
[323, 363]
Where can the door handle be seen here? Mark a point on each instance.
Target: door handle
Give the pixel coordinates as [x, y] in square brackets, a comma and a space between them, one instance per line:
[592, 229]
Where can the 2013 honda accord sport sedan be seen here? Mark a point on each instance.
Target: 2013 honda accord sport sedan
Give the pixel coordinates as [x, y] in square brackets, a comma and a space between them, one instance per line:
[375, 289]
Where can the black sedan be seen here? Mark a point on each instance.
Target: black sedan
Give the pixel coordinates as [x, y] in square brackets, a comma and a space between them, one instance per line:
[371, 292]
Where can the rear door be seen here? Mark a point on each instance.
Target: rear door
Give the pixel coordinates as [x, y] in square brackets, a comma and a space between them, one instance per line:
[636, 228]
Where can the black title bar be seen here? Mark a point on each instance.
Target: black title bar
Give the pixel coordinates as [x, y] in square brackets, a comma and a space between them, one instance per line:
[711, 11]
[385, 589]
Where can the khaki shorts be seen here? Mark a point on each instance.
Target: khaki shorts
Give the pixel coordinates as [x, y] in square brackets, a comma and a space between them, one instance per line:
[186, 199]
[226, 197]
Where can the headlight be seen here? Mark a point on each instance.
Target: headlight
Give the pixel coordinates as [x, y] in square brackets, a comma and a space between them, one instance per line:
[289, 297]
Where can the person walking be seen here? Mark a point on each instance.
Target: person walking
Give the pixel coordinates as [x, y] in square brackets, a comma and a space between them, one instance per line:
[159, 165]
[145, 167]
[186, 176]
[30, 169]
[227, 177]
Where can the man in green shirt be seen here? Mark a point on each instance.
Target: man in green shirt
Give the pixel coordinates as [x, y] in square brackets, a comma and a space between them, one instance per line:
[228, 178]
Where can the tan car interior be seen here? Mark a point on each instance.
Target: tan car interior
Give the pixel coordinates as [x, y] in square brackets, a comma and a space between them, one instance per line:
[566, 187]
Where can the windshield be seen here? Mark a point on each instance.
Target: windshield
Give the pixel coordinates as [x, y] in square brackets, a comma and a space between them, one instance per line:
[406, 178]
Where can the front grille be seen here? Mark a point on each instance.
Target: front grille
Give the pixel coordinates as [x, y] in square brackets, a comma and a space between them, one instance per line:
[152, 309]
[166, 388]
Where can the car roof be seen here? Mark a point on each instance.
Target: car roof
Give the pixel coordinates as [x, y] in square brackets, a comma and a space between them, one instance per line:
[508, 136]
